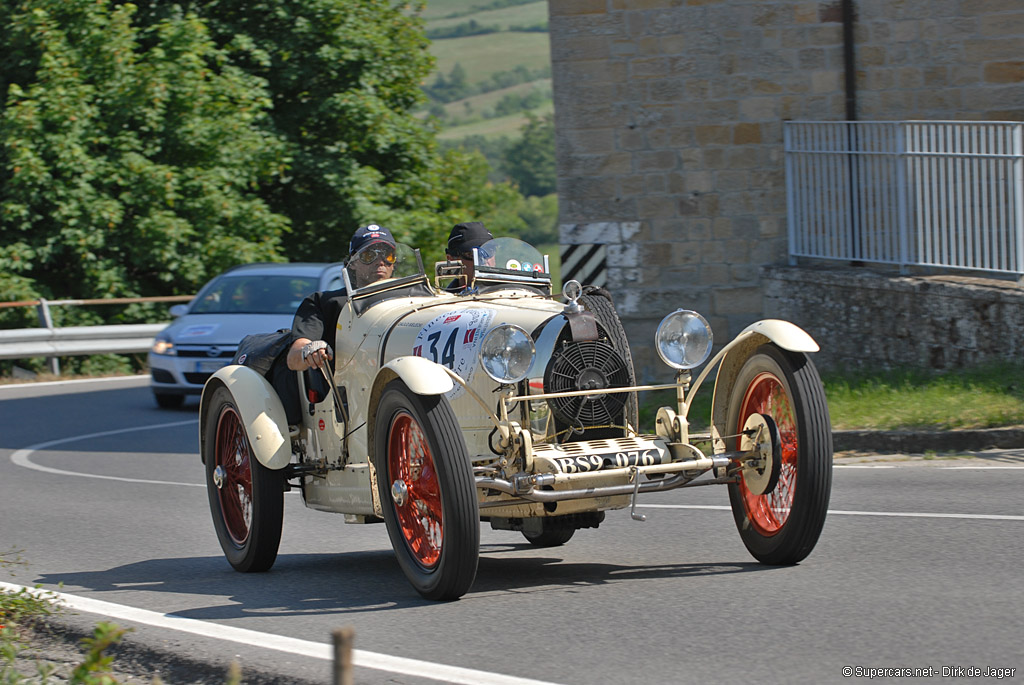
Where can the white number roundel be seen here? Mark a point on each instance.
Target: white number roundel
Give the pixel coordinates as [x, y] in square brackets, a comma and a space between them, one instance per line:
[453, 339]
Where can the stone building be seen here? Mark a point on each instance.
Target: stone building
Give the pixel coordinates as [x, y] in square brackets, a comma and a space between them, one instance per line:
[669, 123]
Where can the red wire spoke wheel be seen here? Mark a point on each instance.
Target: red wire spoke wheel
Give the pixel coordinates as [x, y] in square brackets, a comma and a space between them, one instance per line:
[246, 498]
[421, 513]
[767, 395]
[782, 526]
[235, 492]
[427, 491]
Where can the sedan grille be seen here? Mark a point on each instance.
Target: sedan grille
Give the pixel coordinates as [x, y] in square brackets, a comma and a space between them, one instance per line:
[204, 352]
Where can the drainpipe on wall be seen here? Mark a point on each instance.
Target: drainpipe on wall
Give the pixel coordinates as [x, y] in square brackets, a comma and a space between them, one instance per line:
[849, 65]
[850, 82]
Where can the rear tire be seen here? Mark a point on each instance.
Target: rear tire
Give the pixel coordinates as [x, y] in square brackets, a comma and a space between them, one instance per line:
[248, 506]
[427, 491]
[781, 527]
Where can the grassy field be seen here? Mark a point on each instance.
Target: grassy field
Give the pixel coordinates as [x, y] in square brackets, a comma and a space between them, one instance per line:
[477, 104]
[493, 128]
[484, 55]
[506, 17]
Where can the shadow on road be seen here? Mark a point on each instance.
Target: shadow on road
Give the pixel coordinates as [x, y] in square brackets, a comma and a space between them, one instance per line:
[349, 582]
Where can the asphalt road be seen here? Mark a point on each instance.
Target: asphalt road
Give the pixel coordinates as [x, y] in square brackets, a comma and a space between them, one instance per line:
[919, 566]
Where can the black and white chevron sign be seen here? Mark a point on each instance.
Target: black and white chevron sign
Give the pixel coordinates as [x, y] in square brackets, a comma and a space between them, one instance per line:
[588, 264]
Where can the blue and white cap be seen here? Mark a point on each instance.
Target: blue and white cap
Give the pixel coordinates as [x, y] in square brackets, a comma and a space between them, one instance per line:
[368, 235]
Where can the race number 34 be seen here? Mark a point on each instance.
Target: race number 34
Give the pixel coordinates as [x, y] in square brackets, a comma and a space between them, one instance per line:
[452, 339]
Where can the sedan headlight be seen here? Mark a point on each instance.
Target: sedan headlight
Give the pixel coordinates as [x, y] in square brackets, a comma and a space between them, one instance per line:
[683, 339]
[162, 346]
[507, 353]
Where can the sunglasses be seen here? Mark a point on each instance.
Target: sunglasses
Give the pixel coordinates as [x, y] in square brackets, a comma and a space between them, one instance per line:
[372, 255]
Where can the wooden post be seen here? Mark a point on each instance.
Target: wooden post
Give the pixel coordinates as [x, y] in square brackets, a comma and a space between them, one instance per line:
[343, 639]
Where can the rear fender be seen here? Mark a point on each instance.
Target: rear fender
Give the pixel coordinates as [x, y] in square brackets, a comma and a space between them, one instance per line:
[261, 411]
[786, 335]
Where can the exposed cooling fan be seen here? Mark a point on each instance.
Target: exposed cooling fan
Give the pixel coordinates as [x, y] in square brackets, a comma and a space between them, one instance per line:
[587, 365]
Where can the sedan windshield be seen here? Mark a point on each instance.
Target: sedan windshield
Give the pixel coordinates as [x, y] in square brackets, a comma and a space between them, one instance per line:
[252, 294]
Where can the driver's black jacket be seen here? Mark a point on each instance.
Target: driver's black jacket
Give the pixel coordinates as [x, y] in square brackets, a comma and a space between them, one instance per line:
[316, 319]
[317, 316]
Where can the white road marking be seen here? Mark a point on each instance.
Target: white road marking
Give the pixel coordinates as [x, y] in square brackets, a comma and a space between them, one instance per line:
[23, 456]
[839, 512]
[281, 643]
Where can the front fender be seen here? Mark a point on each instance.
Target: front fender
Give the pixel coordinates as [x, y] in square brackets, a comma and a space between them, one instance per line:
[423, 376]
[261, 411]
[786, 335]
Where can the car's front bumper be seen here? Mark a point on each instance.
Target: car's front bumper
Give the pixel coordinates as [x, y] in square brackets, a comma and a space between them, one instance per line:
[184, 375]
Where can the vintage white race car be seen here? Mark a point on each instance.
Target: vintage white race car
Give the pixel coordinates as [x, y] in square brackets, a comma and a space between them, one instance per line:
[507, 405]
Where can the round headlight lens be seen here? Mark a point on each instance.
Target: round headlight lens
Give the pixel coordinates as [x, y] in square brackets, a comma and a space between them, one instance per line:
[683, 339]
[161, 346]
[507, 353]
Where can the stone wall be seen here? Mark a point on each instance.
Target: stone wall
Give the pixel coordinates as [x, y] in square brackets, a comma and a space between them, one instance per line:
[864, 318]
[669, 117]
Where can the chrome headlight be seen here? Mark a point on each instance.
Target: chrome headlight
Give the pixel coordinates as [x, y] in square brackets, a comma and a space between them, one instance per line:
[507, 353]
[162, 346]
[683, 339]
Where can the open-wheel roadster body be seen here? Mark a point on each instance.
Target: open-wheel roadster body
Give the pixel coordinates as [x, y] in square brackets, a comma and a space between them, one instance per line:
[507, 405]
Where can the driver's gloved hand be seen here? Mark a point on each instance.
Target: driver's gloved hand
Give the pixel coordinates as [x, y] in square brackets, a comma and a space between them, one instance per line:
[310, 356]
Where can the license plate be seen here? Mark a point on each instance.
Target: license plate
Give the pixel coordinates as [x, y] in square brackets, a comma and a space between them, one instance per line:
[209, 366]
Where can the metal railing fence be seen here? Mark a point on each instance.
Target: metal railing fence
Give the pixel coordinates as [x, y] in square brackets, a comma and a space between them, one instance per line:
[927, 193]
[52, 342]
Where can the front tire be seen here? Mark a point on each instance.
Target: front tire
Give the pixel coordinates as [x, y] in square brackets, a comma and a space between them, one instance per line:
[427, 491]
[168, 401]
[248, 504]
[781, 526]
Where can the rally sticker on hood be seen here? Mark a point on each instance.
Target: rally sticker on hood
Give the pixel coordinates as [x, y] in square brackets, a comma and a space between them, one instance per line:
[453, 339]
[198, 331]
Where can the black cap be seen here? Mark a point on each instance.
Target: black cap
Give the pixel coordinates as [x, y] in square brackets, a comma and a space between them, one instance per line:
[465, 236]
[368, 235]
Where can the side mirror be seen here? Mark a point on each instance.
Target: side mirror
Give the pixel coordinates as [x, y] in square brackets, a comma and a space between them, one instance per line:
[178, 310]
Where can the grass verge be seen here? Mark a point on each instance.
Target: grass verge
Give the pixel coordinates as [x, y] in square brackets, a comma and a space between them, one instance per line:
[987, 396]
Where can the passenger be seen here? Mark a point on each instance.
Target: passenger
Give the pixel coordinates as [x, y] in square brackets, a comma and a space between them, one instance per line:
[461, 241]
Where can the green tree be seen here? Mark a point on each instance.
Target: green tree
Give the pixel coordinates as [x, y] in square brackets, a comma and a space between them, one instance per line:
[344, 77]
[131, 161]
[530, 161]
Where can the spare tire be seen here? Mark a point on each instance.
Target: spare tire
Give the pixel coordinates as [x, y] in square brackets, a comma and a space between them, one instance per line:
[598, 301]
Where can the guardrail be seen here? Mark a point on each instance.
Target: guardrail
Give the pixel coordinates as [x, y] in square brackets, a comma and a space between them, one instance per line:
[52, 342]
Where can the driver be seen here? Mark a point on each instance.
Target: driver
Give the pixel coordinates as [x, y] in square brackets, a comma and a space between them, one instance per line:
[461, 241]
[371, 258]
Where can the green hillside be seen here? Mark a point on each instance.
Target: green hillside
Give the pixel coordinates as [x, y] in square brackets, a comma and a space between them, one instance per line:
[491, 82]
[506, 17]
[494, 67]
[507, 126]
